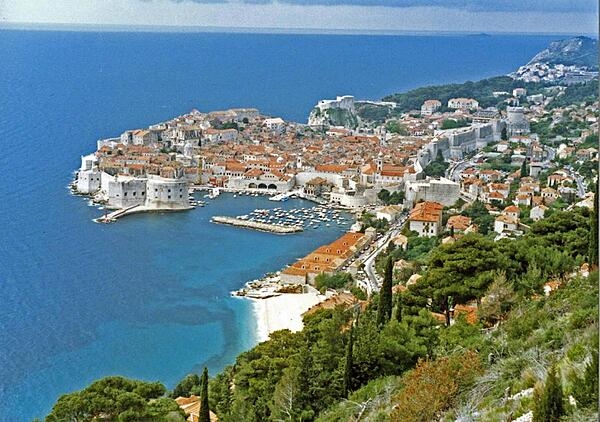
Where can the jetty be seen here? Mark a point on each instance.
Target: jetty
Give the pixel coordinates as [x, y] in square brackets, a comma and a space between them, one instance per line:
[255, 225]
[121, 212]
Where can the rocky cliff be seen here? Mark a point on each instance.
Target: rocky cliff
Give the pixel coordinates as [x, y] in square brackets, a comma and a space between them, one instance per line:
[578, 51]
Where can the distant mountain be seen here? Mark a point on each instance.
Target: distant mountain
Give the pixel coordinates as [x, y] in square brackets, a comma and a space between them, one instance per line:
[579, 51]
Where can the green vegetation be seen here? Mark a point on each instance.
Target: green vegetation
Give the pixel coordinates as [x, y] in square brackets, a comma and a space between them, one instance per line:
[502, 162]
[593, 242]
[437, 168]
[480, 90]
[480, 216]
[204, 414]
[117, 398]
[394, 126]
[372, 112]
[187, 386]
[393, 198]
[459, 272]
[384, 309]
[369, 220]
[576, 94]
[349, 364]
[453, 124]
[334, 281]
[548, 402]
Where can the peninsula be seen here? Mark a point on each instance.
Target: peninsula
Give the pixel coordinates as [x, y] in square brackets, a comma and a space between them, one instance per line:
[466, 289]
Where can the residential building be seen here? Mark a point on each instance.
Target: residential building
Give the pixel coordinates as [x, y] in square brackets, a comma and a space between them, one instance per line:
[426, 218]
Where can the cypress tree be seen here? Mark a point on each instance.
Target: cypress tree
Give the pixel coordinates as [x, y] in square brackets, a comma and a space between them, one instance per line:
[399, 308]
[348, 367]
[524, 172]
[585, 389]
[504, 134]
[593, 247]
[384, 311]
[204, 415]
[549, 403]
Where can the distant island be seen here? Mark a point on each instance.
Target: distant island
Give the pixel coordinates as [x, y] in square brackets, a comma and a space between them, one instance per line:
[467, 287]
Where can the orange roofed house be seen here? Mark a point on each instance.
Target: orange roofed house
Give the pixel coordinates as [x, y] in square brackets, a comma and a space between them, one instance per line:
[326, 259]
[426, 218]
[191, 407]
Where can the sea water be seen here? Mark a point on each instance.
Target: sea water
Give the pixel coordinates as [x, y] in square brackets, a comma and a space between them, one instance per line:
[148, 297]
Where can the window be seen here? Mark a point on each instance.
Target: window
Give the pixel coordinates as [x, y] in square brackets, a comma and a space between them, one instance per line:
[134, 193]
[169, 196]
[125, 194]
[169, 190]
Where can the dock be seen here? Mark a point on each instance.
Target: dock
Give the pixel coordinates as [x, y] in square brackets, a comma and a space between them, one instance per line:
[255, 225]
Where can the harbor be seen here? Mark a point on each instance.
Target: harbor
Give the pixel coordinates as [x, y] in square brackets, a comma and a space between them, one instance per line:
[305, 218]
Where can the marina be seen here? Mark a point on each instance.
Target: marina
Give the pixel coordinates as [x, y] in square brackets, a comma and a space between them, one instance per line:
[305, 218]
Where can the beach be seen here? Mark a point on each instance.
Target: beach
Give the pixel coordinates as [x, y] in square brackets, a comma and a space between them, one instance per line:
[282, 312]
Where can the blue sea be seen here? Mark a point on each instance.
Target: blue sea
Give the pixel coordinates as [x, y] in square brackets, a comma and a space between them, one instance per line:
[148, 297]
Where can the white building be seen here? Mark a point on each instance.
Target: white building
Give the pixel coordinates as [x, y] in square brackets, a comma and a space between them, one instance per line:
[463, 103]
[219, 135]
[389, 213]
[345, 102]
[444, 191]
[430, 106]
[426, 219]
[506, 224]
[276, 125]
[163, 193]
[537, 212]
[250, 114]
[125, 191]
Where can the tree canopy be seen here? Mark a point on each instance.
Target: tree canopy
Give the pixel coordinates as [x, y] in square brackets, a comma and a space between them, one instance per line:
[117, 398]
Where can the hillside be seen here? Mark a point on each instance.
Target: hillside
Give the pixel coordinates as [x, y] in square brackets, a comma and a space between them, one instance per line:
[481, 90]
[578, 51]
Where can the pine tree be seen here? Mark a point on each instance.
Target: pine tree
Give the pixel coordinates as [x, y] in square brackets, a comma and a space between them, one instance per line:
[348, 367]
[593, 247]
[384, 311]
[549, 404]
[204, 415]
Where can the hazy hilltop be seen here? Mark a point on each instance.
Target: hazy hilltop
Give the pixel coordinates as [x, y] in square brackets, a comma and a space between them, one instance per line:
[579, 51]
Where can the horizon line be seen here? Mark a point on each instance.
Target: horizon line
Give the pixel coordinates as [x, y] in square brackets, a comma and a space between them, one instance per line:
[89, 27]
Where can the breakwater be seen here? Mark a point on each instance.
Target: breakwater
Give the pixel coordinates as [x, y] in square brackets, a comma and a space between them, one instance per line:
[255, 225]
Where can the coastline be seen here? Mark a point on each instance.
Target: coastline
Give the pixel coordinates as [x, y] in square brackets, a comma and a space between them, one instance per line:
[282, 312]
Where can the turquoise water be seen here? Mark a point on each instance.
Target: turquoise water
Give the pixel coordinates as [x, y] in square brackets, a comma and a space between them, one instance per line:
[148, 297]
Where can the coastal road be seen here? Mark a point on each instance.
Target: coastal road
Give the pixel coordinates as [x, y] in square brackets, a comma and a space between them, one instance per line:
[580, 184]
[373, 283]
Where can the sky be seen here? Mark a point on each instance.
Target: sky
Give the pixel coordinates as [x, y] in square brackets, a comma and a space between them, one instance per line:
[491, 16]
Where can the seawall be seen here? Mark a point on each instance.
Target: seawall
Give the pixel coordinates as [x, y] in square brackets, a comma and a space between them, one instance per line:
[266, 227]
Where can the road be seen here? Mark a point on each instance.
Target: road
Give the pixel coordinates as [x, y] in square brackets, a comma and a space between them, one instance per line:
[372, 282]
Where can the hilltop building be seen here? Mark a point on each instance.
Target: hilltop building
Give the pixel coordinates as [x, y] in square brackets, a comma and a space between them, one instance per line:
[463, 104]
[430, 106]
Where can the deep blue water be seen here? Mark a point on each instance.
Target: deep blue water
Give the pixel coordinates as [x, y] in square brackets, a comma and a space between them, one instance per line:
[148, 297]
